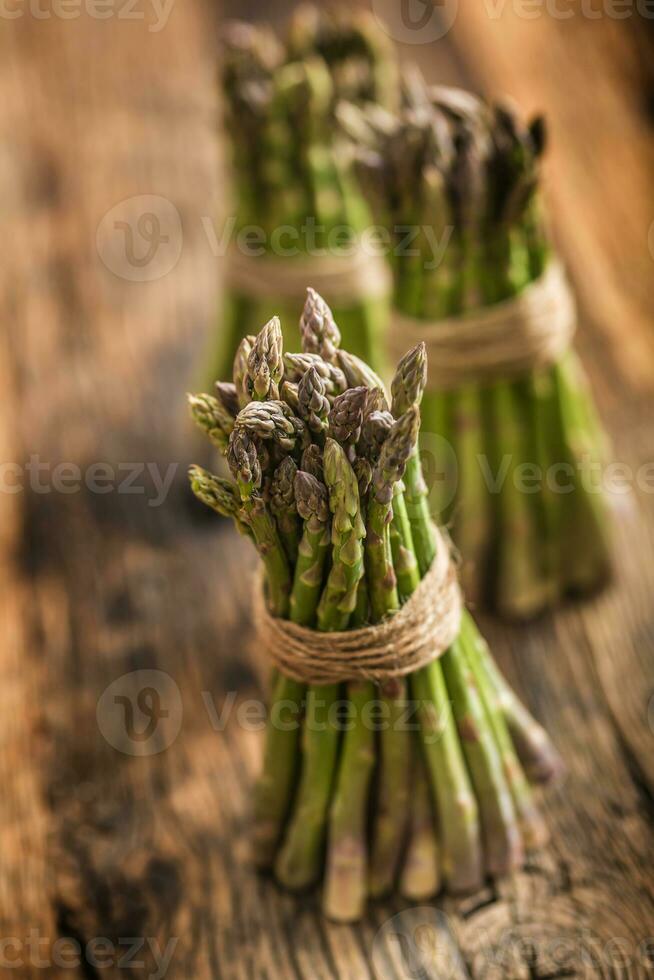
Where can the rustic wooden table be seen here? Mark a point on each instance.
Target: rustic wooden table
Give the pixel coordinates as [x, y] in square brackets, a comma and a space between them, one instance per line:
[98, 587]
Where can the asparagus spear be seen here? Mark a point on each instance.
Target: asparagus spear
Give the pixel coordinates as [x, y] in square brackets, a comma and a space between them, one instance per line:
[298, 863]
[313, 405]
[313, 507]
[288, 167]
[357, 372]
[345, 889]
[265, 366]
[345, 886]
[270, 420]
[275, 785]
[297, 365]
[279, 769]
[346, 418]
[315, 801]
[218, 494]
[407, 389]
[312, 461]
[246, 470]
[283, 506]
[420, 877]
[212, 417]
[405, 562]
[384, 598]
[318, 331]
[339, 597]
[496, 770]
[461, 853]
[227, 395]
[347, 854]
[240, 369]
[395, 788]
[470, 171]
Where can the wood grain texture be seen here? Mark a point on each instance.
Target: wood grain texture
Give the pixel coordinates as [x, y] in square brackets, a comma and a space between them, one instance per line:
[101, 836]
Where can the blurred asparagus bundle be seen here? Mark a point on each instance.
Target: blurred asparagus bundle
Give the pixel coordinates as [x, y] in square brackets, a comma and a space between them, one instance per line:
[297, 204]
[421, 781]
[528, 517]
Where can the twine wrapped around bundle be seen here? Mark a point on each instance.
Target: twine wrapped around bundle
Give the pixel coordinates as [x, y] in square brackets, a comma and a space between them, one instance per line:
[530, 330]
[421, 631]
[345, 278]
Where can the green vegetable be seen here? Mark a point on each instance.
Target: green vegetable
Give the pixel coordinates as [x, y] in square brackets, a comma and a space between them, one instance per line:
[416, 782]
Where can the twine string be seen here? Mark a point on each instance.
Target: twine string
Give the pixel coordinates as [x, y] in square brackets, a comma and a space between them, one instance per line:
[421, 631]
[528, 331]
[340, 277]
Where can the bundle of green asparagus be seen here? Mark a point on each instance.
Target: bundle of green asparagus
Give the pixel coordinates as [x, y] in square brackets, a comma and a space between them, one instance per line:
[299, 212]
[421, 780]
[456, 182]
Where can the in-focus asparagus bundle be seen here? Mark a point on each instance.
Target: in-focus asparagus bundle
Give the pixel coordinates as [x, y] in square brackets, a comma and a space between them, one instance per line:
[298, 207]
[462, 178]
[421, 780]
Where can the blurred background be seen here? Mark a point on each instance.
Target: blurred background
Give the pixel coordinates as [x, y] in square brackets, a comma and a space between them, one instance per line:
[110, 113]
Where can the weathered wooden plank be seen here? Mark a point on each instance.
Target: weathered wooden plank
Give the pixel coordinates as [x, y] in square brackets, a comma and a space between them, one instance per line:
[28, 927]
[155, 845]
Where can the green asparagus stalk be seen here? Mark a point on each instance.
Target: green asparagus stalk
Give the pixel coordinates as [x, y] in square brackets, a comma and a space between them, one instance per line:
[212, 417]
[312, 403]
[246, 470]
[345, 889]
[420, 877]
[344, 542]
[283, 507]
[395, 787]
[346, 882]
[338, 600]
[313, 507]
[299, 861]
[265, 366]
[469, 173]
[384, 598]
[240, 369]
[318, 331]
[289, 171]
[345, 873]
[220, 495]
[281, 754]
[500, 788]
[242, 501]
